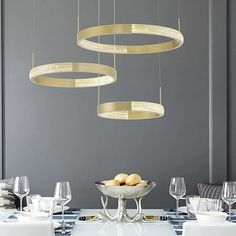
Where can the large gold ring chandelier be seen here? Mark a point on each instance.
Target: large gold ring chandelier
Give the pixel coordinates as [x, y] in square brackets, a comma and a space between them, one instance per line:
[122, 110]
[175, 37]
[104, 75]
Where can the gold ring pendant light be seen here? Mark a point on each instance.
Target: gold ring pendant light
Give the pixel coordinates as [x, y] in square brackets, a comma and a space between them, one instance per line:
[175, 37]
[44, 74]
[129, 110]
[40, 75]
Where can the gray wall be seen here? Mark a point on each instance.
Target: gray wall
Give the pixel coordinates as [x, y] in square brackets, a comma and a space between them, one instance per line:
[231, 90]
[54, 134]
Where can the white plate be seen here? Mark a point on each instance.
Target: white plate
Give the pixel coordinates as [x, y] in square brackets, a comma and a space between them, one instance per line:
[183, 209]
[57, 209]
[56, 225]
[31, 217]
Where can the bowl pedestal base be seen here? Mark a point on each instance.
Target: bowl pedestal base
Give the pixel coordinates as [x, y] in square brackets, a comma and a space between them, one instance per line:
[121, 215]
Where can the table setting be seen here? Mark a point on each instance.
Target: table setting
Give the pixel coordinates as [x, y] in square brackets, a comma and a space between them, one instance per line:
[53, 216]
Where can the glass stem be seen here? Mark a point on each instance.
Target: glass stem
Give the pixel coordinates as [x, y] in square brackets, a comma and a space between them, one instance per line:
[21, 200]
[177, 206]
[62, 219]
[230, 209]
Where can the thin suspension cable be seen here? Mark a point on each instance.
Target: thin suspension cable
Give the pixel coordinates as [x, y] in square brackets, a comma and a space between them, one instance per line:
[34, 33]
[178, 9]
[159, 55]
[99, 40]
[78, 20]
[114, 21]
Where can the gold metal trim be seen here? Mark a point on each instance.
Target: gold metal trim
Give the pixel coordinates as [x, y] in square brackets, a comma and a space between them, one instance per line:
[175, 36]
[39, 75]
[130, 110]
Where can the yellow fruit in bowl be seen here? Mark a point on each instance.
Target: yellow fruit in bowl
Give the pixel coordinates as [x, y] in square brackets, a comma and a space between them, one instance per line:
[133, 179]
[142, 183]
[112, 183]
[121, 178]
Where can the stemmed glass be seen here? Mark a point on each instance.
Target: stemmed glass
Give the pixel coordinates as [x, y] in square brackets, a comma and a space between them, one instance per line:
[62, 195]
[229, 195]
[21, 188]
[177, 190]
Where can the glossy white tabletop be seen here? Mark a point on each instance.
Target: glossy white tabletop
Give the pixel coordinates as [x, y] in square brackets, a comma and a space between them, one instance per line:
[122, 229]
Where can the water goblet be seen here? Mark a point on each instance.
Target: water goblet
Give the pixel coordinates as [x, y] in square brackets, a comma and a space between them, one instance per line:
[21, 188]
[177, 190]
[33, 202]
[229, 195]
[62, 195]
[214, 204]
[47, 205]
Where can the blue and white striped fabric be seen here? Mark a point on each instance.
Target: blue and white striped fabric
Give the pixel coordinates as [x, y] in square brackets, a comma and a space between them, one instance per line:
[70, 218]
[177, 224]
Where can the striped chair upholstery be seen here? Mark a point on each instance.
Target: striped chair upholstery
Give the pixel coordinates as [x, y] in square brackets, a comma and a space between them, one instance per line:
[7, 198]
[209, 191]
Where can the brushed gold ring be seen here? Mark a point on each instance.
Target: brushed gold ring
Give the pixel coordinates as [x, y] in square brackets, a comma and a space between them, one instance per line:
[175, 37]
[39, 75]
[130, 110]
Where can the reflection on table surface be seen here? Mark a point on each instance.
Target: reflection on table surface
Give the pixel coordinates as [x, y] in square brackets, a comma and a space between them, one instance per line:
[123, 229]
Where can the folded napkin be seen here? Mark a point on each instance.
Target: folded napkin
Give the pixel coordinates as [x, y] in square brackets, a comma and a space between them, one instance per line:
[177, 223]
[70, 220]
[196, 229]
[27, 229]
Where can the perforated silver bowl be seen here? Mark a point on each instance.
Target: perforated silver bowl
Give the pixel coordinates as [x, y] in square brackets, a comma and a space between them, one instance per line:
[125, 192]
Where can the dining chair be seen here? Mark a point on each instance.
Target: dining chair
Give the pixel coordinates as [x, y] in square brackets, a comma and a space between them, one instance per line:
[196, 229]
[27, 229]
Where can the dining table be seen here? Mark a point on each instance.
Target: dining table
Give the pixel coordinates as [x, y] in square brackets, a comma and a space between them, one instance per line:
[77, 226]
[107, 228]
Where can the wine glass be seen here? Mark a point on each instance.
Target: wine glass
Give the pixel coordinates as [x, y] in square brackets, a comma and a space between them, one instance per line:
[177, 190]
[229, 195]
[21, 188]
[62, 196]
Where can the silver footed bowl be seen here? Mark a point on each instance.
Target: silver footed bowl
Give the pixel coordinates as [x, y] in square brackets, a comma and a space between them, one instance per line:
[125, 192]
